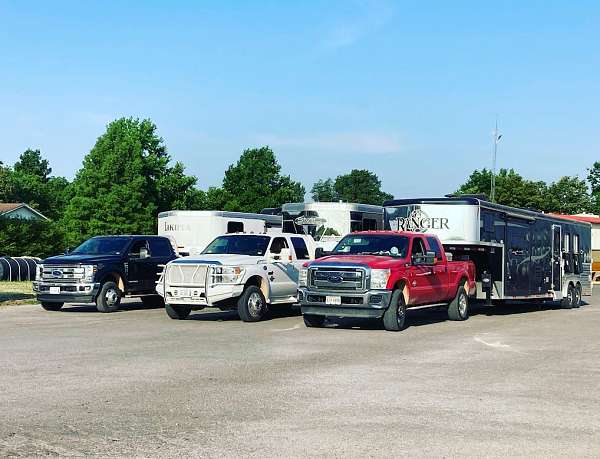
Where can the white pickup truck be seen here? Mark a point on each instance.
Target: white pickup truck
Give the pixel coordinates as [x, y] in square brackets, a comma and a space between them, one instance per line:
[247, 272]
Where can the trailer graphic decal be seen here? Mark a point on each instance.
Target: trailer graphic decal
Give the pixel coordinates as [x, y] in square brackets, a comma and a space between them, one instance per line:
[419, 221]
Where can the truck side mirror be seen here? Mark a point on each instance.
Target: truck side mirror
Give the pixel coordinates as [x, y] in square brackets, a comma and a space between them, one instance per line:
[320, 252]
[427, 259]
[144, 253]
[67, 251]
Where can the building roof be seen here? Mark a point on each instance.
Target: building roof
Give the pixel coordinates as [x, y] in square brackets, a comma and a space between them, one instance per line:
[8, 207]
[593, 219]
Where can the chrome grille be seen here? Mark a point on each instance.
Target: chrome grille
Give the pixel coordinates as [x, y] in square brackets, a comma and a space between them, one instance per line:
[186, 274]
[62, 273]
[337, 278]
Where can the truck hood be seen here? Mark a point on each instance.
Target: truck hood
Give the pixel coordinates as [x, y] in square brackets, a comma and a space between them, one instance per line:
[225, 259]
[81, 259]
[371, 261]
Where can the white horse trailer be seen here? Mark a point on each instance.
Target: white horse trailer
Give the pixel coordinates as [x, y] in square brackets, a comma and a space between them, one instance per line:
[518, 253]
[192, 230]
[328, 222]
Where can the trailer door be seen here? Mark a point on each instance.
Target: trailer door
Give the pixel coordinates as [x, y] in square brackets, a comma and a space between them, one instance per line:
[556, 257]
[518, 258]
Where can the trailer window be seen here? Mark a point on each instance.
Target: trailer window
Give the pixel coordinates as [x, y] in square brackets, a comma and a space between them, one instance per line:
[369, 224]
[567, 256]
[576, 258]
[300, 248]
[235, 227]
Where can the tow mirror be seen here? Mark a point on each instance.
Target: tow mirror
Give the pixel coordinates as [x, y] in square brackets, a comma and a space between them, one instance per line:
[67, 251]
[427, 259]
[284, 256]
[144, 253]
[320, 252]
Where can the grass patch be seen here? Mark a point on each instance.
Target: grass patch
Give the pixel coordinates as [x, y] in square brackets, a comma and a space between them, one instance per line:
[16, 293]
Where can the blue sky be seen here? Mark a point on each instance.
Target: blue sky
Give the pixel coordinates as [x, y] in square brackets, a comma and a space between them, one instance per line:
[409, 90]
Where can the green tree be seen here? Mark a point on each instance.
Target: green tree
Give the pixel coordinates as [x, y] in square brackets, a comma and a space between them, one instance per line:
[254, 183]
[30, 182]
[569, 195]
[511, 188]
[124, 182]
[594, 182]
[20, 237]
[324, 191]
[360, 186]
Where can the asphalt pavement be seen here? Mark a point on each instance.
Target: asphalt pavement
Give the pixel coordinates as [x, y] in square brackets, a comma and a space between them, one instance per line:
[518, 380]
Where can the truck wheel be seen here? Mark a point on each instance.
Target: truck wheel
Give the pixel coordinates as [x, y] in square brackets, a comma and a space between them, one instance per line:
[52, 306]
[569, 301]
[577, 297]
[154, 301]
[251, 305]
[313, 321]
[109, 298]
[394, 317]
[177, 311]
[458, 309]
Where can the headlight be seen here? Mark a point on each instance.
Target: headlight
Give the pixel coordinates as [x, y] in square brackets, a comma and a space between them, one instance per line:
[88, 272]
[379, 278]
[303, 277]
[40, 269]
[226, 274]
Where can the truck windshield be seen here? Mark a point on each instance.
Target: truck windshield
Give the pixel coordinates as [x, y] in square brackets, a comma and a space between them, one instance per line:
[373, 244]
[239, 245]
[102, 246]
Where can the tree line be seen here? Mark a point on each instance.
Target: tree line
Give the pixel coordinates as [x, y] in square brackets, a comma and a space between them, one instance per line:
[128, 177]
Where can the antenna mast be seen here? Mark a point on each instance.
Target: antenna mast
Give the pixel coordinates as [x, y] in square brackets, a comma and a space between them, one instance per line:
[493, 184]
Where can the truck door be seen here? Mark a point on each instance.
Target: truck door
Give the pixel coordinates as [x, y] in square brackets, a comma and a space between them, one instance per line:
[421, 276]
[439, 277]
[161, 252]
[518, 258]
[556, 257]
[281, 272]
[141, 268]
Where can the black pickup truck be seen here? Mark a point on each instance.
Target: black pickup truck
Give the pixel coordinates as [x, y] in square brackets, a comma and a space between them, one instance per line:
[102, 270]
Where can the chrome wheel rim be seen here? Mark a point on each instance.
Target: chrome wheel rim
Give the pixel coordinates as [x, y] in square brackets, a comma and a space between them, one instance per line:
[400, 314]
[111, 296]
[254, 304]
[462, 305]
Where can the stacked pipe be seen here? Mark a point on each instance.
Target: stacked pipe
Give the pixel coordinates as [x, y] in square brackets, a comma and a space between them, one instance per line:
[15, 269]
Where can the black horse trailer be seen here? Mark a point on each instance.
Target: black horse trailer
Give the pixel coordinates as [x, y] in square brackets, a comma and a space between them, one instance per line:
[519, 253]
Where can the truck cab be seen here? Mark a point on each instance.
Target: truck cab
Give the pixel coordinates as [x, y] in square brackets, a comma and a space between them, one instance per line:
[102, 270]
[379, 274]
[250, 273]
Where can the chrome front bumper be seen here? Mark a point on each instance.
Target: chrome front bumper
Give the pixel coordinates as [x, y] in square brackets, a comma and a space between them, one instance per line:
[371, 303]
[84, 292]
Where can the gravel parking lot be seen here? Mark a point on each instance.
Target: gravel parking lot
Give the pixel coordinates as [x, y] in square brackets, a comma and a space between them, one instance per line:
[518, 380]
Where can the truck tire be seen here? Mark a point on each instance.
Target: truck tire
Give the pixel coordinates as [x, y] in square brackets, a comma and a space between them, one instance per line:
[458, 308]
[568, 301]
[577, 297]
[313, 321]
[251, 305]
[153, 301]
[177, 311]
[109, 297]
[394, 317]
[48, 306]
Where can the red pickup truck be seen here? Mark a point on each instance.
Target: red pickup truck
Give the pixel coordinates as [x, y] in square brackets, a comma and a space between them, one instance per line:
[379, 274]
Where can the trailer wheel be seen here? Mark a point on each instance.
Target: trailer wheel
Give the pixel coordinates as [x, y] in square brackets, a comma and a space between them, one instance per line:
[177, 311]
[313, 321]
[251, 305]
[48, 306]
[569, 301]
[458, 309]
[109, 297]
[394, 317]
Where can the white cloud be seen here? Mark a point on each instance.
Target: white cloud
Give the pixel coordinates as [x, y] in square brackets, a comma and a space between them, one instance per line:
[370, 143]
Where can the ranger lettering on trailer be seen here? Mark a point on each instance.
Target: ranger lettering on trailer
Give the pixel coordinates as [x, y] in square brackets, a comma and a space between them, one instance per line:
[420, 222]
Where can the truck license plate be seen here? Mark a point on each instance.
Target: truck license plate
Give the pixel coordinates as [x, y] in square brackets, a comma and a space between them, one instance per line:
[333, 300]
[55, 290]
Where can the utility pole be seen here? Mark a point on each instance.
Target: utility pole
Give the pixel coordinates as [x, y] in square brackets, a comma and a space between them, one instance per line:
[497, 138]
